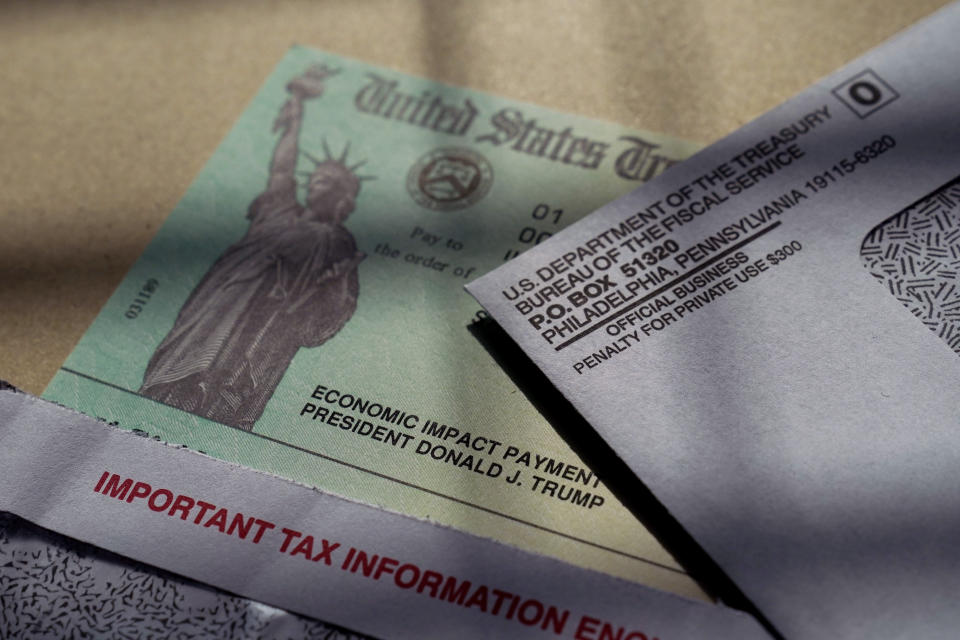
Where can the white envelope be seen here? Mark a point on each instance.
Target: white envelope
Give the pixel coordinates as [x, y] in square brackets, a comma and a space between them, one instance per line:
[721, 329]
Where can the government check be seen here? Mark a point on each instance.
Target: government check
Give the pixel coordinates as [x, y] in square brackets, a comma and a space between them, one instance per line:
[302, 310]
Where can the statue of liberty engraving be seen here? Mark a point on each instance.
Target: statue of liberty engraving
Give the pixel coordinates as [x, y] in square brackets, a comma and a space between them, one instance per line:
[290, 282]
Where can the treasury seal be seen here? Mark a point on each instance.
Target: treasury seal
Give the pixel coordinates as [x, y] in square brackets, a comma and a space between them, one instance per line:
[449, 179]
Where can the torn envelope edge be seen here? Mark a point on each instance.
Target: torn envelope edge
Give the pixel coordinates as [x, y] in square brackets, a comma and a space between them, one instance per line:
[284, 544]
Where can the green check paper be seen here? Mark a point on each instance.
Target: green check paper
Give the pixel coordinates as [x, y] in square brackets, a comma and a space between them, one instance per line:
[302, 310]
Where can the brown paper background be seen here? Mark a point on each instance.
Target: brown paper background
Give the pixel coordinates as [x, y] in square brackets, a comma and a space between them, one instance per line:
[108, 109]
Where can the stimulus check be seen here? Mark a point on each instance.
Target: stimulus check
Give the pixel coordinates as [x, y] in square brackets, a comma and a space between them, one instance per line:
[302, 310]
[768, 335]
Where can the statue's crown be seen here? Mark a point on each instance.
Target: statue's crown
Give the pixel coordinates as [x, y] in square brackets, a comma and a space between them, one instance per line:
[336, 167]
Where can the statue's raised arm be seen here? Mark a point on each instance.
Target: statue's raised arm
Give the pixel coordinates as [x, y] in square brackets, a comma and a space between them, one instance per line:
[309, 84]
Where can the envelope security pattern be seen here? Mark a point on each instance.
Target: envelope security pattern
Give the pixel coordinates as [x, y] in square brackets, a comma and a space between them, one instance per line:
[916, 256]
[55, 587]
